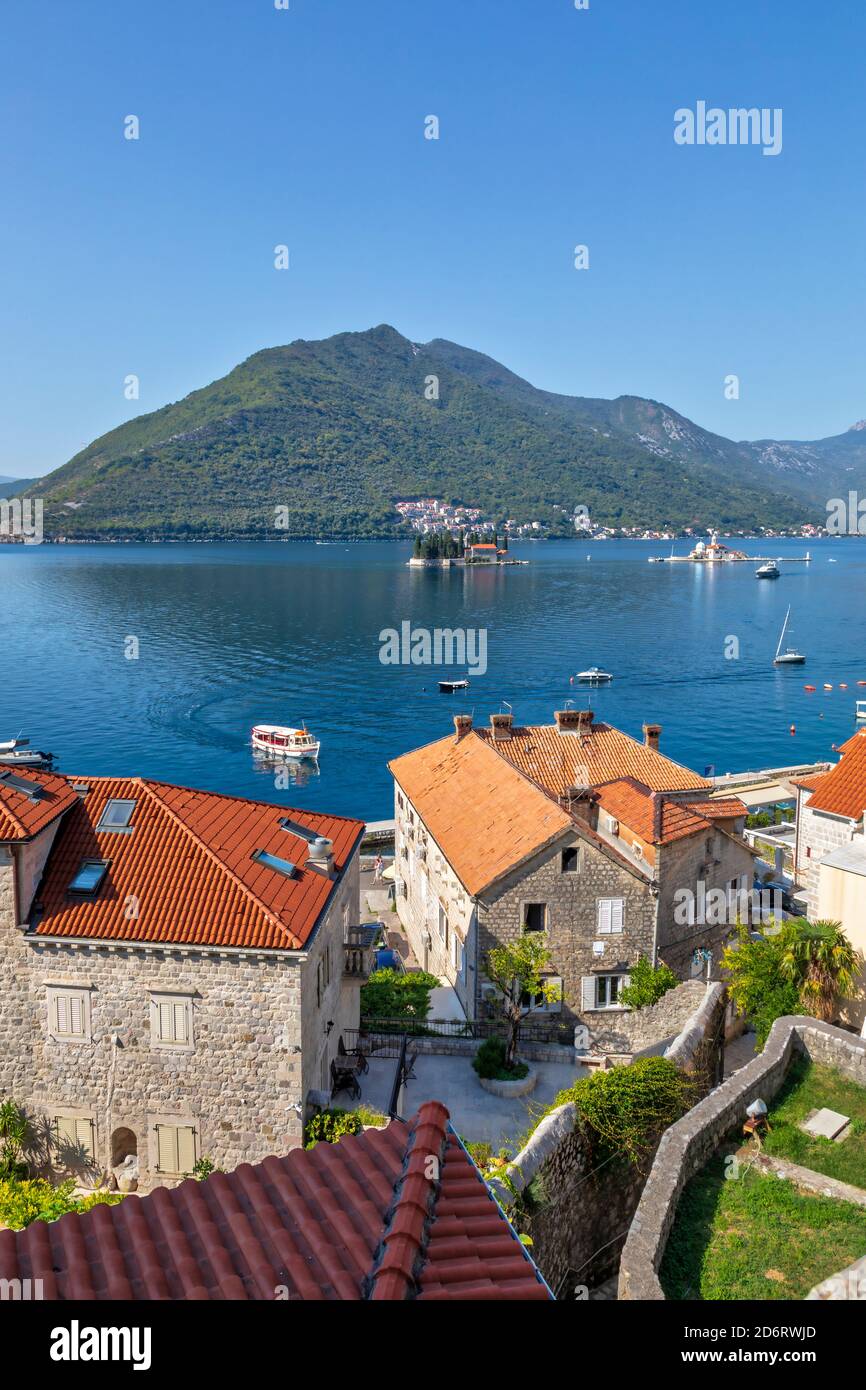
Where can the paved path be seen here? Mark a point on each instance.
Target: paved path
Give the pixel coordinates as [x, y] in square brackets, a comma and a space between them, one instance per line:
[738, 1052]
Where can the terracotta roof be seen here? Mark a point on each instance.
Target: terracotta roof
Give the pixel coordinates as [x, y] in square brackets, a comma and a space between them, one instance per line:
[348, 1221]
[558, 760]
[188, 862]
[842, 790]
[720, 808]
[657, 824]
[23, 815]
[479, 809]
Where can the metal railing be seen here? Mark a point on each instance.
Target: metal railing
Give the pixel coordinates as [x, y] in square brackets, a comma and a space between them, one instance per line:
[478, 1029]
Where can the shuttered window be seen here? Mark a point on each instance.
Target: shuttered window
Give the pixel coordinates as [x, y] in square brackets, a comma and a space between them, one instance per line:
[171, 1021]
[602, 991]
[69, 1014]
[610, 915]
[175, 1148]
[74, 1139]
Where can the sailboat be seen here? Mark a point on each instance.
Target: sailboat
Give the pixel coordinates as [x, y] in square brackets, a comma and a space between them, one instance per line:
[790, 656]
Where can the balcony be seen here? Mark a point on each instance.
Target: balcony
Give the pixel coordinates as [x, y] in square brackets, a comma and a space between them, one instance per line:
[358, 958]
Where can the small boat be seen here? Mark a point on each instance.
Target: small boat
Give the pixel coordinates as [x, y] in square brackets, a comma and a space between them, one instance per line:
[285, 742]
[827, 686]
[594, 676]
[448, 687]
[12, 743]
[769, 570]
[812, 688]
[25, 757]
[860, 709]
[790, 656]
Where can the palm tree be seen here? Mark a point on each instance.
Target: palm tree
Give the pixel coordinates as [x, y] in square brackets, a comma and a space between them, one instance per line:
[820, 960]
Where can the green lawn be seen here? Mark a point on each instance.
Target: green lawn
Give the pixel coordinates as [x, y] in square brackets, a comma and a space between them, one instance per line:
[756, 1237]
[809, 1086]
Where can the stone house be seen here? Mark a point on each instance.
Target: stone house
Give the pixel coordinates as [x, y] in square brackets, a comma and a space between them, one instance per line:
[830, 853]
[575, 829]
[176, 969]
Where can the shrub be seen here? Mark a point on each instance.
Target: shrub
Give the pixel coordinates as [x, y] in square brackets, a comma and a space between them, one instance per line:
[388, 994]
[330, 1125]
[625, 1109]
[489, 1062]
[648, 984]
[13, 1133]
[36, 1200]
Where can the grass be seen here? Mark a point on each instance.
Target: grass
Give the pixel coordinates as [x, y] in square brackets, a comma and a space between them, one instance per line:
[811, 1086]
[756, 1237]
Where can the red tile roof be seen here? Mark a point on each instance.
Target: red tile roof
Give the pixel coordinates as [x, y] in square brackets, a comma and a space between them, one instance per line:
[557, 761]
[842, 790]
[360, 1219]
[23, 815]
[188, 864]
[656, 822]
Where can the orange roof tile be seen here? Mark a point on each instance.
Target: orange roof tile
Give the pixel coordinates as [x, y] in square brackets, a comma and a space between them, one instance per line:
[486, 817]
[23, 815]
[842, 790]
[187, 863]
[720, 808]
[556, 761]
[632, 803]
[349, 1221]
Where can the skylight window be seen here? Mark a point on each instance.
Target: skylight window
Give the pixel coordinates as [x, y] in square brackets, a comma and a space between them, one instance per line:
[272, 861]
[34, 790]
[303, 832]
[89, 877]
[116, 815]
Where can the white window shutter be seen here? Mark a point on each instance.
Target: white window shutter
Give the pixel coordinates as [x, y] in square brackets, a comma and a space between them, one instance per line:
[65, 1127]
[603, 909]
[166, 1147]
[180, 1029]
[587, 992]
[84, 1137]
[617, 908]
[185, 1149]
[61, 1013]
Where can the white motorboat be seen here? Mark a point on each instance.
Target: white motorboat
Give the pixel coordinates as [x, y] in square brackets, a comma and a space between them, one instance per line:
[594, 676]
[448, 687]
[11, 744]
[769, 570]
[25, 757]
[860, 709]
[284, 742]
[790, 656]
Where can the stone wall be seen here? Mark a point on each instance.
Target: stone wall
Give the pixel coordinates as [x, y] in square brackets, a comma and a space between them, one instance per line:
[583, 1216]
[688, 1145]
[642, 1032]
[572, 918]
[682, 865]
[818, 834]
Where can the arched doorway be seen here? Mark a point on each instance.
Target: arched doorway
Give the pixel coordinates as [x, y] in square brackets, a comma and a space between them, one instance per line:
[124, 1142]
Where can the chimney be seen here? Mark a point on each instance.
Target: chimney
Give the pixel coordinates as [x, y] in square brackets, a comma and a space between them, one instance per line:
[462, 726]
[320, 855]
[651, 735]
[573, 721]
[501, 726]
[583, 803]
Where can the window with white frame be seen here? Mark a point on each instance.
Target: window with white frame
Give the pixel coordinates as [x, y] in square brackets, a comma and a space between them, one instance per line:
[171, 1021]
[69, 1014]
[541, 1005]
[175, 1148]
[610, 915]
[603, 991]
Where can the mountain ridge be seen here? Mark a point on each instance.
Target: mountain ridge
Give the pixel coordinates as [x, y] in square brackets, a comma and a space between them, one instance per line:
[332, 431]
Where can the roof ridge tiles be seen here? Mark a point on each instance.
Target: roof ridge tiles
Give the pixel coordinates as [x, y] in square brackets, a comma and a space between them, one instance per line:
[402, 1249]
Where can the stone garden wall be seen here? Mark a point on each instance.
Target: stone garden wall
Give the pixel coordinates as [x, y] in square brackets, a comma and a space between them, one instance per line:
[689, 1144]
[583, 1216]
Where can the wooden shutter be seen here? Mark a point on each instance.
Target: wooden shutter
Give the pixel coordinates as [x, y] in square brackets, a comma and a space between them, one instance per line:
[65, 1129]
[587, 992]
[61, 1013]
[617, 907]
[185, 1149]
[604, 915]
[166, 1149]
[84, 1137]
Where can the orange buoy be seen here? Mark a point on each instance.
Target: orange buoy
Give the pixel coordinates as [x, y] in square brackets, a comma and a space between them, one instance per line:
[861, 682]
[809, 687]
[842, 685]
[793, 729]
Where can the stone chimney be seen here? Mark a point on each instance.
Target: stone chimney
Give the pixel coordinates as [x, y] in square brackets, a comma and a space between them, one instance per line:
[583, 803]
[462, 726]
[320, 855]
[501, 726]
[573, 721]
[658, 802]
[651, 735]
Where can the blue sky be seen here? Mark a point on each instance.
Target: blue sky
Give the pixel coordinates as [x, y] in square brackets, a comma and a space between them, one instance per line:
[305, 127]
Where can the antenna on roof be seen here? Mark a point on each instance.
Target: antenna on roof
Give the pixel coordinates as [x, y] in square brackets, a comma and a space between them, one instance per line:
[509, 707]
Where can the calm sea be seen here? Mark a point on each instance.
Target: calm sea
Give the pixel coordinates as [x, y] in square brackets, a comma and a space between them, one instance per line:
[232, 635]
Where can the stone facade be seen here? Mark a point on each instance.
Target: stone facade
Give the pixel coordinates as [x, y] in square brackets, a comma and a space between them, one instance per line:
[818, 834]
[688, 1145]
[265, 1026]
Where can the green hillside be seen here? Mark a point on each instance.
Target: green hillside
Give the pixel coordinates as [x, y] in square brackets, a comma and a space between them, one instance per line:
[334, 431]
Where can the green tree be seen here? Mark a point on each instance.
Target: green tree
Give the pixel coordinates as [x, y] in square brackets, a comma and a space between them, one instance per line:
[820, 961]
[13, 1134]
[648, 984]
[517, 970]
[755, 980]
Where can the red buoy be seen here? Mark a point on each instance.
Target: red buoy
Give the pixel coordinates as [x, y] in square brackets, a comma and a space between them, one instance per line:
[793, 729]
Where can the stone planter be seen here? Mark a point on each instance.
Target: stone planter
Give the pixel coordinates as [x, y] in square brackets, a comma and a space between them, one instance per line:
[509, 1090]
